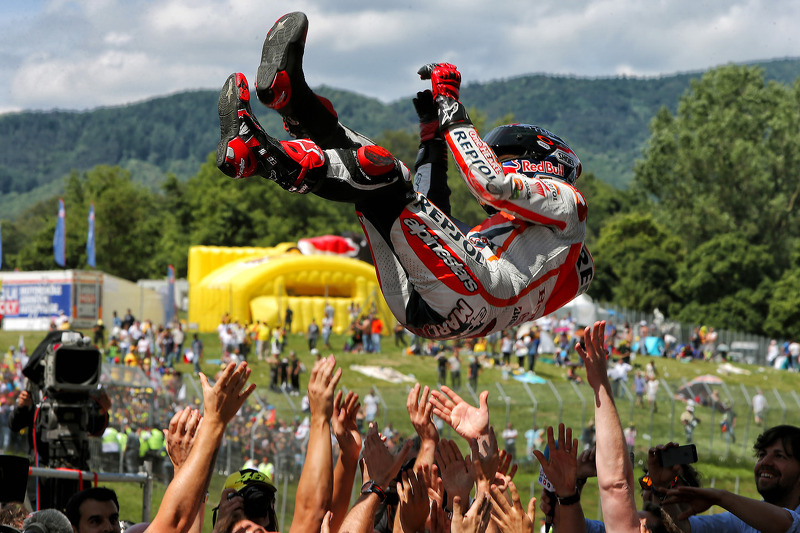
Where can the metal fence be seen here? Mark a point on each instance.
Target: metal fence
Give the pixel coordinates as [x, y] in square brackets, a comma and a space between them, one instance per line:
[745, 347]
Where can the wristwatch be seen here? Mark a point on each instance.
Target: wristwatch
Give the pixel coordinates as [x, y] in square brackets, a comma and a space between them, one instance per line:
[569, 500]
[372, 487]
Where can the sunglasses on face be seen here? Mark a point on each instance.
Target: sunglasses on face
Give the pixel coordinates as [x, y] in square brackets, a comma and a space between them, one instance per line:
[257, 503]
[646, 482]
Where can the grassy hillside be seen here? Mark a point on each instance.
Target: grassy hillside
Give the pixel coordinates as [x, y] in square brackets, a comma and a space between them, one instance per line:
[604, 119]
[722, 465]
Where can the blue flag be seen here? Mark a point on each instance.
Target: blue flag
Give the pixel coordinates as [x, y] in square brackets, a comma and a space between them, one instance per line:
[90, 259]
[169, 305]
[60, 237]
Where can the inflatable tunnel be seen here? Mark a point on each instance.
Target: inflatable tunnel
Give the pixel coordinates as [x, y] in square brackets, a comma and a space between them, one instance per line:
[260, 283]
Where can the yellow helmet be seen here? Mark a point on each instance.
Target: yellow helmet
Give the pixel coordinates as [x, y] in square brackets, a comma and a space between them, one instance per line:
[241, 479]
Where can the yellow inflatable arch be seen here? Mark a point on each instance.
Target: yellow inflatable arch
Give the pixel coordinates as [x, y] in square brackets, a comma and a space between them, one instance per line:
[260, 283]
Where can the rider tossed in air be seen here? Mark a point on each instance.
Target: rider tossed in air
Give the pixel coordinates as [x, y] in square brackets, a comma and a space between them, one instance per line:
[525, 261]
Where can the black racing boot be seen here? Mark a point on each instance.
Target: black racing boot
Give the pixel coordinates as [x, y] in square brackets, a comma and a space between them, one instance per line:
[245, 149]
[281, 85]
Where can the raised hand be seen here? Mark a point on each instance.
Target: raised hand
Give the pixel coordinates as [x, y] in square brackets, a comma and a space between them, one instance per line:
[586, 463]
[485, 460]
[414, 504]
[504, 475]
[697, 499]
[511, 517]
[562, 466]
[321, 386]
[594, 355]
[378, 463]
[456, 472]
[419, 411]
[477, 517]
[436, 487]
[466, 420]
[180, 435]
[427, 114]
[230, 509]
[440, 523]
[445, 79]
[343, 422]
[661, 476]
[222, 401]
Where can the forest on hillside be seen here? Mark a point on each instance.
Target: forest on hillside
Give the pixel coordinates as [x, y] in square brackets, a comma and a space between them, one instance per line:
[706, 229]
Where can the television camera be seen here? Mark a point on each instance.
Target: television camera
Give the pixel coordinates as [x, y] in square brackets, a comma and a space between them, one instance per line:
[63, 372]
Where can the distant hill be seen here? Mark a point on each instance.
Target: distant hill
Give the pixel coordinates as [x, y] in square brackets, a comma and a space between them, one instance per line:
[604, 119]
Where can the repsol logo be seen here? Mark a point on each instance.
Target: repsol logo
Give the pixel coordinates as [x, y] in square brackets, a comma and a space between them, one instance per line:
[476, 153]
[423, 233]
[448, 228]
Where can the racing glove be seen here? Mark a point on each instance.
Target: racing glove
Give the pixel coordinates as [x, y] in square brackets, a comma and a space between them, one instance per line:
[446, 83]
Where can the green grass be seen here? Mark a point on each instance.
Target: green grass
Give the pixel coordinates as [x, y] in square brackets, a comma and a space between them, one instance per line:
[720, 464]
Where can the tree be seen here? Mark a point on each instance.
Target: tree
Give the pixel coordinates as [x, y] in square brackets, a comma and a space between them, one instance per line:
[636, 263]
[727, 161]
[725, 282]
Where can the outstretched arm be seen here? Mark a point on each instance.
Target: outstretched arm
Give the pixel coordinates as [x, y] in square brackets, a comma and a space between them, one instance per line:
[379, 466]
[349, 439]
[420, 411]
[181, 501]
[614, 469]
[467, 421]
[550, 202]
[561, 469]
[760, 515]
[180, 438]
[315, 488]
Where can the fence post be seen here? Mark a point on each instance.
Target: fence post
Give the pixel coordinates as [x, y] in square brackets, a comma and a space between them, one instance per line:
[558, 399]
[384, 407]
[284, 495]
[712, 425]
[533, 401]
[783, 405]
[506, 399]
[583, 404]
[473, 394]
[671, 397]
[749, 419]
[147, 497]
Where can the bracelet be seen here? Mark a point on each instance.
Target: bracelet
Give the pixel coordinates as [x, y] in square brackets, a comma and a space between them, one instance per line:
[370, 487]
[569, 500]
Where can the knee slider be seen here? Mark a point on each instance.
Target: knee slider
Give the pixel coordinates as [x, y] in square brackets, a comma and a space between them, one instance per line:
[375, 160]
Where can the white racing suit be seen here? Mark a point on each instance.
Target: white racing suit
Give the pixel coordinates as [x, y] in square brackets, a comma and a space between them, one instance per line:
[440, 282]
[518, 265]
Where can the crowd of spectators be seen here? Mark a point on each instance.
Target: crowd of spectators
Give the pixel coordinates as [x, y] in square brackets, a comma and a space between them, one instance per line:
[425, 483]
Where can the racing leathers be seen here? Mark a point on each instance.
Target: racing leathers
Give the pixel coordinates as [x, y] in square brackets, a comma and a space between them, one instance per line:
[522, 263]
[439, 281]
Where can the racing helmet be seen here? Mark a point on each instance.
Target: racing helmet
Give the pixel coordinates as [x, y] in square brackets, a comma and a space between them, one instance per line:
[534, 151]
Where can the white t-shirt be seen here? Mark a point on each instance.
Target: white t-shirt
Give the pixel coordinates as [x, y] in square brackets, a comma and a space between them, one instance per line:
[370, 407]
[652, 389]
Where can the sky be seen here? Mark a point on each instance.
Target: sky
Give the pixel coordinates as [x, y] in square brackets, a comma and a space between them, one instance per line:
[84, 54]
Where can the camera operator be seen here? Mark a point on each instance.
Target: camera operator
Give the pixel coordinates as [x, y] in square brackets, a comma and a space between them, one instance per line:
[77, 415]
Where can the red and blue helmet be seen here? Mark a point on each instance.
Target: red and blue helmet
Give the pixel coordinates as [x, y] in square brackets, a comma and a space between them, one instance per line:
[534, 151]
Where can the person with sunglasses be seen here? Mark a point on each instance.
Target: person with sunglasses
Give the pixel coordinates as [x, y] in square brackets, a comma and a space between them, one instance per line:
[777, 478]
[246, 494]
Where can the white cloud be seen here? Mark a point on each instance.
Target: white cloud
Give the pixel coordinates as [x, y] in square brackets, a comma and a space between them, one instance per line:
[101, 52]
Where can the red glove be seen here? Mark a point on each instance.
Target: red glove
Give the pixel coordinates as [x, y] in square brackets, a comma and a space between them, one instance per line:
[445, 79]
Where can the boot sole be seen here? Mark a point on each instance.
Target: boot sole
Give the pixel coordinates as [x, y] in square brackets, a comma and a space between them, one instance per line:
[289, 31]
